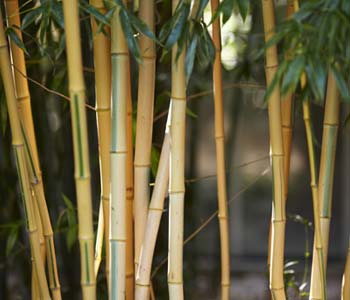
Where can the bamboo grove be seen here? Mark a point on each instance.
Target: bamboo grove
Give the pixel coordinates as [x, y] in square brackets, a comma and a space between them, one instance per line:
[130, 44]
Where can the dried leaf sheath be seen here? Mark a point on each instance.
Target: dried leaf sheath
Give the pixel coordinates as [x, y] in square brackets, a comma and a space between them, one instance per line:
[19, 155]
[80, 147]
[220, 159]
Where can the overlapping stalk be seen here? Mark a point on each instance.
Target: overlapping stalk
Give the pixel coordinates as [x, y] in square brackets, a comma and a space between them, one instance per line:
[102, 63]
[276, 144]
[20, 157]
[155, 211]
[25, 112]
[81, 148]
[325, 181]
[144, 126]
[220, 159]
[346, 277]
[120, 93]
[177, 172]
[129, 268]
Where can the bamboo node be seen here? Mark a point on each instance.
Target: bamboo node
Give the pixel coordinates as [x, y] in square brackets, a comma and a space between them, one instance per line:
[102, 109]
[155, 209]
[175, 282]
[178, 98]
[140, 165]
[222, 217]
[22, 98]
[142, 284]
[275, 66]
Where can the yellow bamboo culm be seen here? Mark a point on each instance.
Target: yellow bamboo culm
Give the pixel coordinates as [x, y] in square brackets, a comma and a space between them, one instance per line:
[220, 160]
[120, 94]
[81, 148]
[102, 63]
[177, 173]
[325, 182]
[144, 126]
[129, 268]
[345, 295]
[276, 144]
[25, 112]
[155, 211]
[20, 157]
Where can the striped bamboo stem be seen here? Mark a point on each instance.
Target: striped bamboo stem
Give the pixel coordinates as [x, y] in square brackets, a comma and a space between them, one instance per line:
[81, 148]
[129, 268]
[144, 126]
[102, 63]
[220, 159]
[25, 112]
[120, 93]
[20, 157]
[276, 144]
[155, 211]
[325, 181]
[346, 278]
[177, 173]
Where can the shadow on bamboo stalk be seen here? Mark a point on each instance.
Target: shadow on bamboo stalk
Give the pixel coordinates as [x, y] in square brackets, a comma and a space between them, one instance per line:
[20, 157]
[81, 149]
[346, 278]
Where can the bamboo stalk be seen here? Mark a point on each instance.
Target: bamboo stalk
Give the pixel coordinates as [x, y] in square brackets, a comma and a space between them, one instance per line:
[346, 278]
[120, 93]
[25, 112]
[130, 277]
[276, 144]
[155, 211]
[102, 63]
[177, 173]
[220, 159]
[18, 146]
[144, 126]
[325, 181]
[81, 148]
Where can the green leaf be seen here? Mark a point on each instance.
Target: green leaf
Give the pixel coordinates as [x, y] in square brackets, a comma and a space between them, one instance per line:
[190, 113]
[190, 57]
[31, 16]
[202, 5]
[12, 33]
[243, 6]
[142, 27]
[57, 14]
[155, 155]
[293, 74]
[341, 83]
[91, 10]
[11, 240]
[72, 235]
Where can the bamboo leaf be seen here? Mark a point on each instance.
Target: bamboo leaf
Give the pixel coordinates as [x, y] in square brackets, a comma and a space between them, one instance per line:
[91, 10]
[190, 56]
[11, 240]
[142, 27]
[201, 7]
[57, 14]
[155, 155]
[243, 6]
[341, 83]
[31, 16]
[11, 32]
[293, 74]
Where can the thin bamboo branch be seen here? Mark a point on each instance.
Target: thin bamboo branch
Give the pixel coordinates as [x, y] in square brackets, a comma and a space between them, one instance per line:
[144, 126]
[81, 148]
[155, 211]
[19, 151]
[120, 93]
[277, 154]
[102, 64]
[220, 158]
[25, 112]
[325, 181]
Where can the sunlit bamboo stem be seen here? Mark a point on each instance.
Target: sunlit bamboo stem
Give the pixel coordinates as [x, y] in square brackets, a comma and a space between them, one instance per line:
[81, 148]
[144, 126]
[220, 159]
[346, 278]
[120, 94]
[155, 212]
[19, 152]
[325, 181]
[129, 268]
[102, 63]
[24, 106]
[177, 173]
[276, 144]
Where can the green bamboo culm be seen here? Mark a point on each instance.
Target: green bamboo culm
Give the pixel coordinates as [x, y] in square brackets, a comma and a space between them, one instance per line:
[345, 295]
[325, 181]
[102, 64]
[177, 172]
[220, 159]
[81, 148]
[20, 157]
[25, 112]
[277, 153]
[120, 93]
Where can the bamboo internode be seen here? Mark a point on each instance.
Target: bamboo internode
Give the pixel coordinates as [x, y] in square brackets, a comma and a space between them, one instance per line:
[276, 144]
[325, 181]
[102, 63]
[20, 157]
[155, 211]
[144, 126]
[220, 154]
[80, 147]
